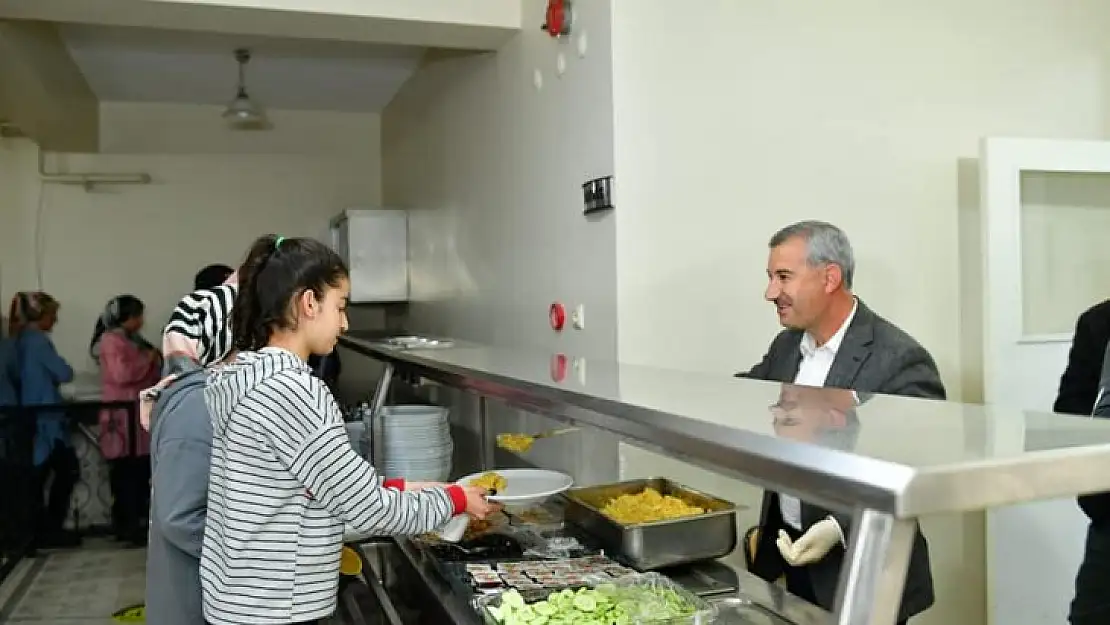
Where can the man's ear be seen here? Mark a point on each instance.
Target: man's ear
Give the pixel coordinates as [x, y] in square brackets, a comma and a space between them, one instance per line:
[834, 277]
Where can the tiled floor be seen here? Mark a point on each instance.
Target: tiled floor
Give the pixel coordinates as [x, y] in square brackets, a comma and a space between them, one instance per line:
[74, 587]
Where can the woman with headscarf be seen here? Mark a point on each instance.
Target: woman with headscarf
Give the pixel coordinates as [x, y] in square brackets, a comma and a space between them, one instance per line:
[198, 336]
[128, 364]
[198, 333]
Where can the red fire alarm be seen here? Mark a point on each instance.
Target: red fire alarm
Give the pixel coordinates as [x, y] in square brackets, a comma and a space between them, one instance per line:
[558, 316]
[558, 18]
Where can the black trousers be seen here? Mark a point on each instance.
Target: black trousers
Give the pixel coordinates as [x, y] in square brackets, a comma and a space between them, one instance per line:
[17, 480]
[1091, 605]
[61, 470]
[129, 478]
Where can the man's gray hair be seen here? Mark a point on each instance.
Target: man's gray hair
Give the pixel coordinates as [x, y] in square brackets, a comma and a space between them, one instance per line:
[825, 244]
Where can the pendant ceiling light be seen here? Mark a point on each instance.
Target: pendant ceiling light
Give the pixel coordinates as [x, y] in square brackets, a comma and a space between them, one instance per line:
[243, 113]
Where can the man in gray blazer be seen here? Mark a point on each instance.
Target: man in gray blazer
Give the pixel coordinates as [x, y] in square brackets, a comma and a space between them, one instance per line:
[831, 339]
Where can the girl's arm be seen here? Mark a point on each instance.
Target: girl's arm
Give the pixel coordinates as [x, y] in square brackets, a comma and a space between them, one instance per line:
[308, 436]
[122, 363]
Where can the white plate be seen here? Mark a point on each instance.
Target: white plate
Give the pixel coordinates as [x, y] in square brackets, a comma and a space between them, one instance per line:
[397, 455]
[525, 487]
[414, 413]
[419, 448]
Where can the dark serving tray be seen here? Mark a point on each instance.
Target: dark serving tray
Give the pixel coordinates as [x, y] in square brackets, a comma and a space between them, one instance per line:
[490, 547]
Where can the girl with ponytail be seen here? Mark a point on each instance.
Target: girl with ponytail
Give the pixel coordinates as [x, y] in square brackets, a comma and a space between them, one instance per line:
[285, 482]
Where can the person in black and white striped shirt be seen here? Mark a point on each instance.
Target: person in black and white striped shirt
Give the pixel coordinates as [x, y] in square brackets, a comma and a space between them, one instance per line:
[285, 481]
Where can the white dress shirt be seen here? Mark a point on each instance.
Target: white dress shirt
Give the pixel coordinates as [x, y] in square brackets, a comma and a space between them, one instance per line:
[814, 368]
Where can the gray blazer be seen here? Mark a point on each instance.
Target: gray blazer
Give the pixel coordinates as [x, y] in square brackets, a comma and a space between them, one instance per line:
[875, 357]
[180, 455]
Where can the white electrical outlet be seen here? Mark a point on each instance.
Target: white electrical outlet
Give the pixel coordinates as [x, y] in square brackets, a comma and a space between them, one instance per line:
[578, 317]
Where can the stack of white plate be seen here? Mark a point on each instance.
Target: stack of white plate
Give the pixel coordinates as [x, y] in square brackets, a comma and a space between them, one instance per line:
[416, 443]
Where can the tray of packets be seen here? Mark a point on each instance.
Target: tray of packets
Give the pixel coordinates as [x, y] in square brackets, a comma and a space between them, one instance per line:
[536, 578]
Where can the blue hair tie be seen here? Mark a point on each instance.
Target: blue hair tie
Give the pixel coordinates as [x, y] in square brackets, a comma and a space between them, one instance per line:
[277, 242]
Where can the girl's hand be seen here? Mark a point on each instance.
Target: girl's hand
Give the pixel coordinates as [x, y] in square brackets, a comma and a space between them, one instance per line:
[477, 505]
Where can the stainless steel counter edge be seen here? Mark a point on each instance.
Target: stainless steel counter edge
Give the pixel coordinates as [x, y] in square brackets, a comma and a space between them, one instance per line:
[837, 479]
[770, 597]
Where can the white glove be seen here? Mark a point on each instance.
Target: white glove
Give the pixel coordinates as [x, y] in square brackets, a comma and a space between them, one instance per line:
[813, 545]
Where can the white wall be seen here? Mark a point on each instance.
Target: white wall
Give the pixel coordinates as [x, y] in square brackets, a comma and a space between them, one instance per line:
[491, 168]
[150, 240]
[851, 112]
[795, 111]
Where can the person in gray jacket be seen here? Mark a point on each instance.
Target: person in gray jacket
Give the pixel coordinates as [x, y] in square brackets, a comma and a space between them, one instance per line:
[831, 340]
[180, 455]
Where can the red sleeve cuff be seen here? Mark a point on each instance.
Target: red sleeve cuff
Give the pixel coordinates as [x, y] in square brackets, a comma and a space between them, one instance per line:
[397, 483]
[458, 498]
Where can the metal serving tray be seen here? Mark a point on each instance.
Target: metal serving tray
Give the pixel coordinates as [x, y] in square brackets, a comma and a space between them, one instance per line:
[650, 546]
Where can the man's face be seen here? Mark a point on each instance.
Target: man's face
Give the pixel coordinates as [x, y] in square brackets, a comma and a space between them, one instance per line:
[799, 292]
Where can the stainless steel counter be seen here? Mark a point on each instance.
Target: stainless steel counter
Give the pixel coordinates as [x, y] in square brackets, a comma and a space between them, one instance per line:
[417, 594]
[798, 440]
[970, 457]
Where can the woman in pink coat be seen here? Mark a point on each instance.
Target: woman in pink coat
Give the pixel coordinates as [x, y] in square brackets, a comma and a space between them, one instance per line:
[128, 364]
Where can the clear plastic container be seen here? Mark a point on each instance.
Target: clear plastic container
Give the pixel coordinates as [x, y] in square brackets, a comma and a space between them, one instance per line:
[628, 587]
[544, 518]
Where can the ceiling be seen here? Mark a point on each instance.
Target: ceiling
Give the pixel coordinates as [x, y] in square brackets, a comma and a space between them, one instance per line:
[152, 65]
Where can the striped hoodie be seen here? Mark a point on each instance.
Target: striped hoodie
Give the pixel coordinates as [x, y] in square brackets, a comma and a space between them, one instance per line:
[284, 485]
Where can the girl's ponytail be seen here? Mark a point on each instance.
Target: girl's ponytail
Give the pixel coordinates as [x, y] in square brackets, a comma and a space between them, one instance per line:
[248, 327]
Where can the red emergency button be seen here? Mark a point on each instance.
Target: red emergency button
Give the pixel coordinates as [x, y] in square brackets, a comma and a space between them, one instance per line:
[558, 316]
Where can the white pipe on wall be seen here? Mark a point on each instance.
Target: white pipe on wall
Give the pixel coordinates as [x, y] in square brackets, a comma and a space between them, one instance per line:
[88, 180]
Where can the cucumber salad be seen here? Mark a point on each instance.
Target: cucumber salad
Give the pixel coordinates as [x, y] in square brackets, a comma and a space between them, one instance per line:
[607, 604]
